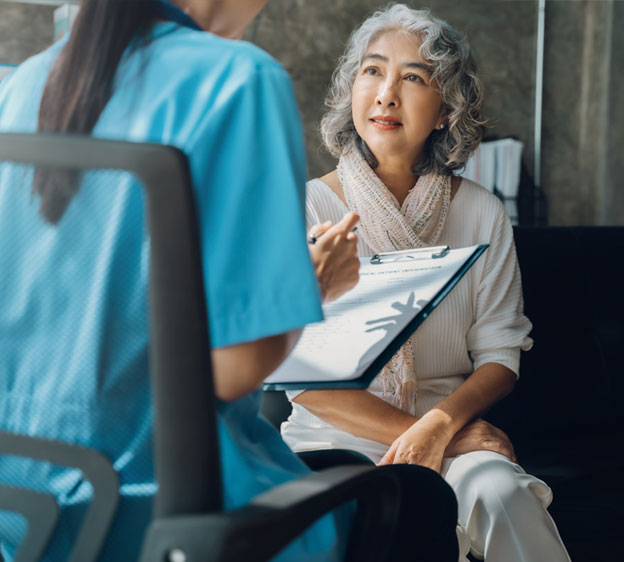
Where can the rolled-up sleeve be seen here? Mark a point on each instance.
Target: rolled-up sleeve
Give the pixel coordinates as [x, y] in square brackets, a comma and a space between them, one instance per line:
[501, 329]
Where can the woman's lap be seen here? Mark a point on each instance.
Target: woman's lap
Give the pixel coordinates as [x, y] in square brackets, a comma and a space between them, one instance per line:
[476, 478]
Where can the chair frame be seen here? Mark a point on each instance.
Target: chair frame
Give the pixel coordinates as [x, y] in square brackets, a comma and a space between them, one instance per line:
[189, 520]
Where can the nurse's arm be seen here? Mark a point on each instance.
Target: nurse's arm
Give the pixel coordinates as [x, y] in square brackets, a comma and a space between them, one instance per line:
[240, 369]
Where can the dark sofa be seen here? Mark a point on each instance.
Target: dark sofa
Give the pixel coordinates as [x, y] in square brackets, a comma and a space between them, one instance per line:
[566, 414]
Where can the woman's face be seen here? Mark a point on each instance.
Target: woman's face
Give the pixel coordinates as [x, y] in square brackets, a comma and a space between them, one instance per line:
[395, 106]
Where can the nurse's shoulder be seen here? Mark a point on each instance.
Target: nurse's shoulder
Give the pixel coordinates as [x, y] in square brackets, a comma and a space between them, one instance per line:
[207, 53]
[20, 92]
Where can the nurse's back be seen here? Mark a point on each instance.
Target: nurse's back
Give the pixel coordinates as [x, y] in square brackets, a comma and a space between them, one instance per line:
[73, 309]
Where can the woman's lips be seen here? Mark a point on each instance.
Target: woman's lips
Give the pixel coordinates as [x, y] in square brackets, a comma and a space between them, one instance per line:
[385, 123]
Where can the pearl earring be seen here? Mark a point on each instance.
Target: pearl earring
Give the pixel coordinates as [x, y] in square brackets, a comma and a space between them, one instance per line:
[442, 126]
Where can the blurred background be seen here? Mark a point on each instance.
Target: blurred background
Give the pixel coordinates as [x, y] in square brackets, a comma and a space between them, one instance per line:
[572, 156]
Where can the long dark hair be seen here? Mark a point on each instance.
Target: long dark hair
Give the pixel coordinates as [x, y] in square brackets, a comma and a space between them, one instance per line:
[81, 82]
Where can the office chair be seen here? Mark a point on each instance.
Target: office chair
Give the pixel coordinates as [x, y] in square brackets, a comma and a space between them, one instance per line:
[189, 523]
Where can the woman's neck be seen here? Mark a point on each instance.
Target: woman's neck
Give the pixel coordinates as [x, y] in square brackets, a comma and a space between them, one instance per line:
[398, 179]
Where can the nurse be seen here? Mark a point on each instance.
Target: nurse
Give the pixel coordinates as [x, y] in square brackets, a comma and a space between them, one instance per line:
[73, 322]
[144, 71]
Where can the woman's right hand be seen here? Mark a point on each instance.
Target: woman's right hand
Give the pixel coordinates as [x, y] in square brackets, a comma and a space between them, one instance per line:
[334, 255]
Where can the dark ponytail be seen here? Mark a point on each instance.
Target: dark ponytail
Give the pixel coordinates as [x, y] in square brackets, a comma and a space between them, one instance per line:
[81, 82]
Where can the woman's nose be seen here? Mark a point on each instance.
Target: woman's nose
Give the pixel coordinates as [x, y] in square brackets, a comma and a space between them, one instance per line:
[387, 96]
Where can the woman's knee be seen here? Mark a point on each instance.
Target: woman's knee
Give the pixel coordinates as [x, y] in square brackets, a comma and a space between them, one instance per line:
[488, 479]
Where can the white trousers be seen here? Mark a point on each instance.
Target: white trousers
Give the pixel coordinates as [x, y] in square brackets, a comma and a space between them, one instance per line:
[502, 511]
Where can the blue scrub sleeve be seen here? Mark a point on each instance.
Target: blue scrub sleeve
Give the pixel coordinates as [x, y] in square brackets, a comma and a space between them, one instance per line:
[248, 166]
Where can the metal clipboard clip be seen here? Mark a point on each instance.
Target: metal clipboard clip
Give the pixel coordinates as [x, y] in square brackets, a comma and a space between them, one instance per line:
[434, 253]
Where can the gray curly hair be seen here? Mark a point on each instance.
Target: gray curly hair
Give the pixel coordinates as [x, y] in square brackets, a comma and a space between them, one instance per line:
[454, 73]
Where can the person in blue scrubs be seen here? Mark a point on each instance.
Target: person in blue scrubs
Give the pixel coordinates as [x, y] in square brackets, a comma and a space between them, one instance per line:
[73, 256]
[73, 322]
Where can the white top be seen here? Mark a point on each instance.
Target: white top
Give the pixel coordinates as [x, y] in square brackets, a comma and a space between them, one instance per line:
[480, 321]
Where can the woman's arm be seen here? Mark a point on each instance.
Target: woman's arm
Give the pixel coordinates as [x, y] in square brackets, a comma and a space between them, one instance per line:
[489, 384]
[357, 412]
[426, 441]
[413, 440]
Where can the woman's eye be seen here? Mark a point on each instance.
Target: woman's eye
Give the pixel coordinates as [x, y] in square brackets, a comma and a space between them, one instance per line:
[414, 78]
[370, 71]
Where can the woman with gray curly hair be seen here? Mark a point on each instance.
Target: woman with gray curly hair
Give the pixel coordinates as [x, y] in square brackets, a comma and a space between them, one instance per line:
[405, 112]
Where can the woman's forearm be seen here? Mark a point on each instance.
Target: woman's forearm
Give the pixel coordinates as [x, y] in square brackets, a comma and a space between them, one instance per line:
[485, 387]
[358, 412]
[365, 415]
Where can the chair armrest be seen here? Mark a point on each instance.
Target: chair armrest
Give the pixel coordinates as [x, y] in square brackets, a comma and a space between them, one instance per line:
[272, 520]
[95, 467]
[40, 511]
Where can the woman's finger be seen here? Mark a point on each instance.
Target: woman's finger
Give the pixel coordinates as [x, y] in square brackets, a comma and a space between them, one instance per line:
[388, 458]
[500, 447]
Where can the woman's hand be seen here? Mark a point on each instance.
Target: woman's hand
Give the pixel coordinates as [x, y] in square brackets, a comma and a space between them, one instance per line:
[480, 435]
[423, 443]
[334, 255]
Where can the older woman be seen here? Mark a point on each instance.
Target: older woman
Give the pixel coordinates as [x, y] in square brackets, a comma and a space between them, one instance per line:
[404, 115]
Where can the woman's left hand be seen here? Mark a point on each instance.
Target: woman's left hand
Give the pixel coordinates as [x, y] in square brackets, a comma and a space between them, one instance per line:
[423, 443]
[480, 435]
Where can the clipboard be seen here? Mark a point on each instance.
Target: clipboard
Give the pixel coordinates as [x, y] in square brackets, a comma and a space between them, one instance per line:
[342, 351]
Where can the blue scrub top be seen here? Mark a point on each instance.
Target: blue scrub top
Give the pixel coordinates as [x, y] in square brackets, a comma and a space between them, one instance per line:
[73, 322]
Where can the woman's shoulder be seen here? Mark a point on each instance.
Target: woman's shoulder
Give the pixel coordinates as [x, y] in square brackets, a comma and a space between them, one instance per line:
[477, 216]
[476, 199]
[322, 203]
[326, 191]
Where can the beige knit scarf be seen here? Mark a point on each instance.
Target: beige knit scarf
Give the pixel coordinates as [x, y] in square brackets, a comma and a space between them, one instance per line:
[387, 226]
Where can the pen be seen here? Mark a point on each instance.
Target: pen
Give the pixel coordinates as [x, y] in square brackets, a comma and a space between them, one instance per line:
[313, 239]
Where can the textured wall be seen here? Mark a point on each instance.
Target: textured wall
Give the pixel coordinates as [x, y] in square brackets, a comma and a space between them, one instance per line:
[24, 30]
[583, 128]
[583, 111]
[614, 206]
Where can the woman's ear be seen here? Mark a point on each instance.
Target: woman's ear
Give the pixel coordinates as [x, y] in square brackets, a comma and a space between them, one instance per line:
[442, 122]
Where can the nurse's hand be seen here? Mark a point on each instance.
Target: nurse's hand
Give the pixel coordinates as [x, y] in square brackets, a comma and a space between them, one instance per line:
[334, 255]
[480, 435]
